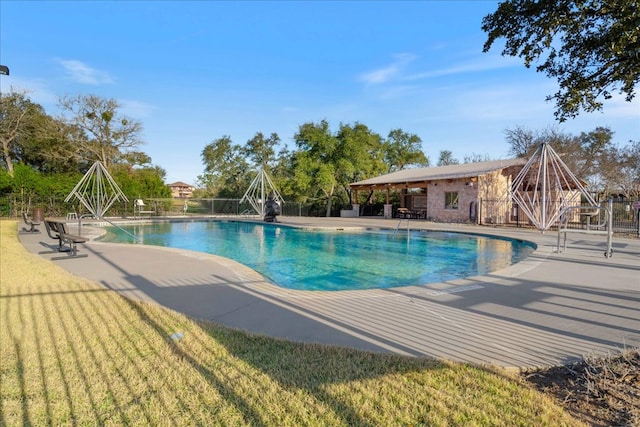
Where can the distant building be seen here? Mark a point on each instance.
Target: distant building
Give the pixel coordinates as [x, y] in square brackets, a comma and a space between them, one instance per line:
[180, 190]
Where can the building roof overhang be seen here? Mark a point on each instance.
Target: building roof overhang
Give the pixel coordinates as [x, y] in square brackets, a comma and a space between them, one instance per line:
[420, 177]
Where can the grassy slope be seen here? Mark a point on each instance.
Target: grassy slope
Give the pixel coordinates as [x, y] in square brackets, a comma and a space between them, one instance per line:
[73, 352]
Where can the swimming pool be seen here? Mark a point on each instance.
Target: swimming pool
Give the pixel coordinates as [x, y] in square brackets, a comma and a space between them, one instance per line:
[336, 260]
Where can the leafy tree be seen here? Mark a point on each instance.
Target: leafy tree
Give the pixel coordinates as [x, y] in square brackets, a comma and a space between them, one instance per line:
[6, 181]
[590, 46]
[360, 155]
[620, 168]
[32, 137]
[106, 135]
[314, 171]
[226, 169]
[58, 185]
[403, 150]
[49, 155]
[582, 154]
[261, 150]
[523, 142]
[282, 174]
[141, 182]
[47, 146]
[592, 147]
[26, 180]
[15, 111]
[325, 164]
[138, 158]
[446, 158]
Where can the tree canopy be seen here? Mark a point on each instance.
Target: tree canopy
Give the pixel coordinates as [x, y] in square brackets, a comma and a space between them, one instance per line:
[446, 158]
[318, 169]
[16, 112]
[226, 168]
[46, 156]
[592, 47]
[105, 135]
[261, 150]
[326, 163]
[592, 156]
[403, 150]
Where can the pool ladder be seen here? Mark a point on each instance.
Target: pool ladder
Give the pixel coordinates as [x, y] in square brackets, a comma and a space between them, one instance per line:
[398, 228]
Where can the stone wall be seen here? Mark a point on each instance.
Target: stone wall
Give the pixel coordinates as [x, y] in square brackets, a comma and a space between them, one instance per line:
[467, 193]
[491, 186]
[495, 186]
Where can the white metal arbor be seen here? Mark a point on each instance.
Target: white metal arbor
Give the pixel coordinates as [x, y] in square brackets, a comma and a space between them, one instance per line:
[261, 187]
[545, 187]
[97, 190]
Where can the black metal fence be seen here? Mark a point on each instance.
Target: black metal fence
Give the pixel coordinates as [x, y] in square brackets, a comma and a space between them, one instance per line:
[12, 206]
[625, 216]
[626, 213]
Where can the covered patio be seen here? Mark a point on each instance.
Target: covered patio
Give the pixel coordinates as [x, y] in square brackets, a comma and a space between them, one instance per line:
[447, 193]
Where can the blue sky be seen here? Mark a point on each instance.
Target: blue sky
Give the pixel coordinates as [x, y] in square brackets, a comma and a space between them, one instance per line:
[192, 72]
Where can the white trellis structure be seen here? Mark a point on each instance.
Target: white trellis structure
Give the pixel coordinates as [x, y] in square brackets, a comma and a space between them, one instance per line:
[261, 187]
[545, 187]
[97, 190]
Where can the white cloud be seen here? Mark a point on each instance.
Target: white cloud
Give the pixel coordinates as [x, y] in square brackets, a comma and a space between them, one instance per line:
[484, 63]
[82, 73]
[382, 75]
[394, 71]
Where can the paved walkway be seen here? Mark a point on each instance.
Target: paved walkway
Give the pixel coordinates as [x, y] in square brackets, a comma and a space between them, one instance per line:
[548, 309]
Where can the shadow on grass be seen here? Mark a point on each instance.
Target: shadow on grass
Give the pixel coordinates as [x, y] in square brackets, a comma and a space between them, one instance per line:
[313, 367]
[292, 365]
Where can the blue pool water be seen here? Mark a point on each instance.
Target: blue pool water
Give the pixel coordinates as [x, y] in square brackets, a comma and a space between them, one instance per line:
[337, 260]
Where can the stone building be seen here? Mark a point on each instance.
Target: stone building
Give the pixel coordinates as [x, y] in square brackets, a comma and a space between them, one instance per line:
[448, 193]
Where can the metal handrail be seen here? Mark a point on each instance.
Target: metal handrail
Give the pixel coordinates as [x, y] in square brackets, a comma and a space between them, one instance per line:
[608, 225]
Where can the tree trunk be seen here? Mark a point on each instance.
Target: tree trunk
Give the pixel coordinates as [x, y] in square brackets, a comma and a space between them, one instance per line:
[369, 197]
[329, 200]
[7, 158]
[347, 191]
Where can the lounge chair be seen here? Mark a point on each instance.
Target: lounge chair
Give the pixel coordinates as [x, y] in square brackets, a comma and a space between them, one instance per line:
[139, 208]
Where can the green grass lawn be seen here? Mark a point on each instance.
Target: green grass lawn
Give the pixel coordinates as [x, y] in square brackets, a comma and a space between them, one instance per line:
[75, 353]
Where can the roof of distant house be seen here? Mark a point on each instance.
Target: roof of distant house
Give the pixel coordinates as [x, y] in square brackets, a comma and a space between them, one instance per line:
[179, 184]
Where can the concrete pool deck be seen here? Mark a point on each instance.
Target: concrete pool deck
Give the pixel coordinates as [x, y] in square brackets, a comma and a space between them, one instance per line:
[549, 309]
